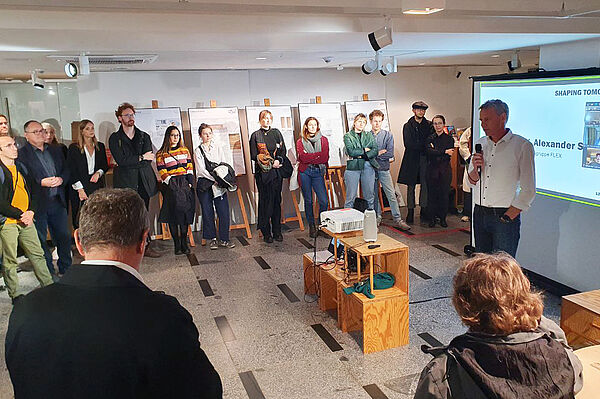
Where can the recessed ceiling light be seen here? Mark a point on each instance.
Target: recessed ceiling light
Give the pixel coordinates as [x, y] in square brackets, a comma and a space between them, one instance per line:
[261, 58]
[424, 11]
[422, 63]
[495, 55]
[422, 7]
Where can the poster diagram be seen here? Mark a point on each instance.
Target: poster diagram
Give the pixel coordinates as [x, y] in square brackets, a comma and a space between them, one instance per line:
[282, 120]
[155, 121]
[354, 108]
[332, 126]
[225, 124]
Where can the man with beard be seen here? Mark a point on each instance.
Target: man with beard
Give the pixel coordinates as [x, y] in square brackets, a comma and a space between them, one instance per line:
[414, 162]
[131, 148]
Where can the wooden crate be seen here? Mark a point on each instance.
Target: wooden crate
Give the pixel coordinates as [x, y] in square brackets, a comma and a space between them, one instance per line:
[383, 319]
[580, 318]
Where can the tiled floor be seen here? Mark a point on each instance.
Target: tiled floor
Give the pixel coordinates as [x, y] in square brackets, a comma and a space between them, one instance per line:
[261, 341]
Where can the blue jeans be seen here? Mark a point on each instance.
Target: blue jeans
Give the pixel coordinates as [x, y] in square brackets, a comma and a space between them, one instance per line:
[221, 204]
[54, 218]
[384, 177]
[366, 177]
[492, 234]
[312, 179]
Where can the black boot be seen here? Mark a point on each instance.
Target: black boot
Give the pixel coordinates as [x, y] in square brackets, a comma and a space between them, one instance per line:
[177, 243]
[443, 222]
[312, 230]
[410, 216]
[184, 240]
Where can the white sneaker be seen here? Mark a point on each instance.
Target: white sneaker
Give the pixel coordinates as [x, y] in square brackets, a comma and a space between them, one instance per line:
[464, 219]
[214, 244]
[402, 224]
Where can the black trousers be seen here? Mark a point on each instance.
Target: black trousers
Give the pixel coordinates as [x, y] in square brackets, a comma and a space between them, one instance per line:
[438, 191]
[269, 206]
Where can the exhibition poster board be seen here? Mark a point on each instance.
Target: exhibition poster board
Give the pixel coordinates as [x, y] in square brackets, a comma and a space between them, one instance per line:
[282, 120]
[155, 122]
[354, 108]
[225, 123]
[331, 122]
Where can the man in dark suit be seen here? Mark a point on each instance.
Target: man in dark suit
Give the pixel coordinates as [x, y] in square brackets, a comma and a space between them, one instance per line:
[47, 166]
[101, 332]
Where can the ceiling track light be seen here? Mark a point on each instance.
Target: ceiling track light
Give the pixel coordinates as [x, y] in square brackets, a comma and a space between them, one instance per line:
[384, 66]
[36, 81]
[381, 38]
[389, 67]
[515, 62]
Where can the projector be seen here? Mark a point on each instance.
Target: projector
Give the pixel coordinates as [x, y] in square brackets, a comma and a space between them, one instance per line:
[342, 220]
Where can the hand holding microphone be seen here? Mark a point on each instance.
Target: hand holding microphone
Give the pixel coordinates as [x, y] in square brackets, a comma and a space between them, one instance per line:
[477, 158]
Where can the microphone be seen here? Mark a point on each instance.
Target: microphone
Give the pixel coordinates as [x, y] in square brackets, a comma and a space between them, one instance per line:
[478, 150]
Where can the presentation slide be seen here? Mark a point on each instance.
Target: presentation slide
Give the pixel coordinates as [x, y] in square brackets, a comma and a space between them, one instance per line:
[332, 126]
[155, 122]
[561, 117]
[225, 123]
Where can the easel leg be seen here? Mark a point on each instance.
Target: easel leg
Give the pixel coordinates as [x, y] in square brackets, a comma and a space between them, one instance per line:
[244, 215]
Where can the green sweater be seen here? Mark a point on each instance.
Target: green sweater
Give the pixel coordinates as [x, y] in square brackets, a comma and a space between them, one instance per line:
[355, 147]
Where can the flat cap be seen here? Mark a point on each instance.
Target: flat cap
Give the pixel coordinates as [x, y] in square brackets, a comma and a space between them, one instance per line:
[420, 105]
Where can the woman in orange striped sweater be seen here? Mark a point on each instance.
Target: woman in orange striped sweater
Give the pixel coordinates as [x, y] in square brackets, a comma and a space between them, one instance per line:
[174, 164]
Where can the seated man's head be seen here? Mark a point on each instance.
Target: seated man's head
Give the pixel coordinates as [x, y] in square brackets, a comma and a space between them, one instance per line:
[113, 225]
[493, 296]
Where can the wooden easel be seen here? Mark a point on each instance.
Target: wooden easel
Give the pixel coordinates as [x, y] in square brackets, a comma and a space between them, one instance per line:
[246, 224]
[332, 172]
[166, 234]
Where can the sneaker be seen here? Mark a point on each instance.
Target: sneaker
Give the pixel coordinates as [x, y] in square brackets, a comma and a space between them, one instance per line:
[214, 244]
[443, 223]
[226, 244]
[464, 219]
[402, 225]
[278, 237]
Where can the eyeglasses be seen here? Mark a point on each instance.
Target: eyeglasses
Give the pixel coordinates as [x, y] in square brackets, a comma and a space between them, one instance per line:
[38, 132]
[128, 115]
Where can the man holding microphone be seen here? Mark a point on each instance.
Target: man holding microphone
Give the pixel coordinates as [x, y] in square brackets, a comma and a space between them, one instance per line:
[502, 174]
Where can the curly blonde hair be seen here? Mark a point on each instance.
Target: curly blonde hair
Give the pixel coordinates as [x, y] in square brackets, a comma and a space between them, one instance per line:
[493, 296]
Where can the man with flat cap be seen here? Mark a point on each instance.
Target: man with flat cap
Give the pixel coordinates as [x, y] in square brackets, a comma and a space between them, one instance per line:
[414, 162]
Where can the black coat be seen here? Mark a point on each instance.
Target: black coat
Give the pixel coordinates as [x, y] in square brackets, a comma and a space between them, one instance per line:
[415, 136]
[130, 169]
[101, 333]
[77, 163]
[7, 192]
[438, 162]
[37, 172]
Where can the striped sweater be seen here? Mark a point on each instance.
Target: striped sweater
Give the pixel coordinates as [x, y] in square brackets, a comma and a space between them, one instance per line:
[177, 162]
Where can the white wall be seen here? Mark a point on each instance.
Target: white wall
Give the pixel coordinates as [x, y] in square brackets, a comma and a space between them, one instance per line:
[574, 55]
[100, 94]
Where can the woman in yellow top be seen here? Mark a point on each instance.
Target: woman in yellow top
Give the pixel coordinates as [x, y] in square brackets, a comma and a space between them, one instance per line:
[175, 168]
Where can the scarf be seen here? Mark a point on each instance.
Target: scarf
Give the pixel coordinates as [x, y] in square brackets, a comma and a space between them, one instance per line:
[313, 144]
